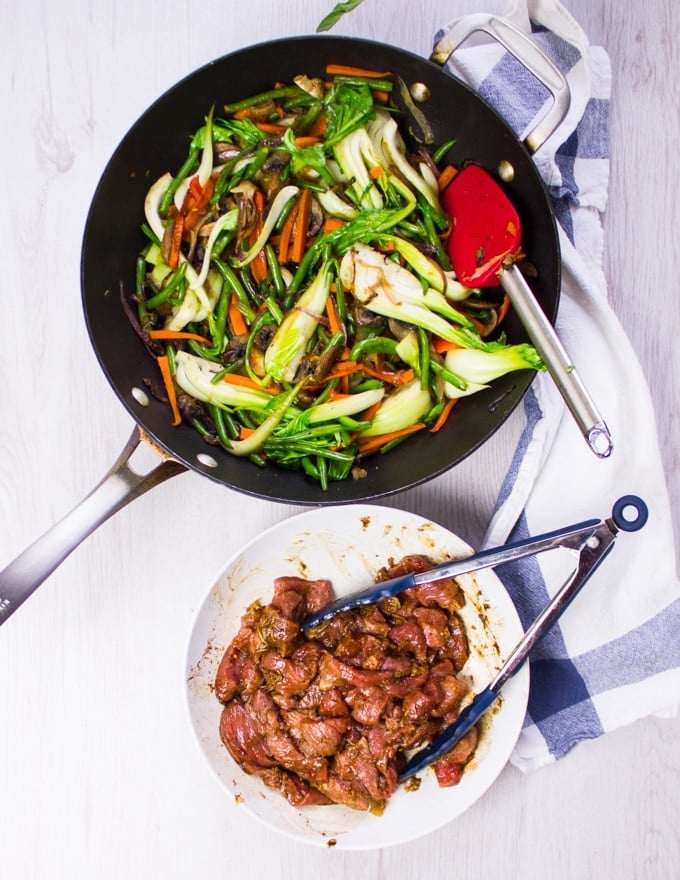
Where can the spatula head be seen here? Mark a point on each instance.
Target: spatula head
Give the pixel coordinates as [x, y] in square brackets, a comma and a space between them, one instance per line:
[485, 227]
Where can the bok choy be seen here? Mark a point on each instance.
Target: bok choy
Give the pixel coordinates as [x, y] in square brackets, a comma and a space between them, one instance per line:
[295, 289]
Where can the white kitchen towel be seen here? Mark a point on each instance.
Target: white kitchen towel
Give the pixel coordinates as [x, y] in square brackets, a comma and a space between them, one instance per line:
[615, 655]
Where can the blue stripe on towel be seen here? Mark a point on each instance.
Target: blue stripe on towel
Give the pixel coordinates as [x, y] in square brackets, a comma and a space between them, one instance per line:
[556, 682]
[593, 130]
[654, 646]
[534, 414]
[515, 92]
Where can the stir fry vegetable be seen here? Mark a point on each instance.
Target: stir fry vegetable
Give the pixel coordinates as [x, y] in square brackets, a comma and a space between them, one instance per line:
[336, 14]
[295, 288]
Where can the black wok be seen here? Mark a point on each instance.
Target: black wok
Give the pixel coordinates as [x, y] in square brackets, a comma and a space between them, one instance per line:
[157, 143]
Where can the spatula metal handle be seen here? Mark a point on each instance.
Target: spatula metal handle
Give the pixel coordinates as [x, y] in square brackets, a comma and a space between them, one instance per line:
[559, 364]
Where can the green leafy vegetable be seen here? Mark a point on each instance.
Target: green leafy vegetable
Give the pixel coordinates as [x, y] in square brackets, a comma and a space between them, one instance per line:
[336, 14]
[295, 270]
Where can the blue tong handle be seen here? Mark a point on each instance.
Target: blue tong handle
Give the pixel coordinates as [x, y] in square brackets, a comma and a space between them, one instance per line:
[570, 537]
[592, 551]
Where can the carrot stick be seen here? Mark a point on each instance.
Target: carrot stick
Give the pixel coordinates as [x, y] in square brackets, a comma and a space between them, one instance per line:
[375, 172]
[347, 70]
[318, 129]
[444, 415]
[398, 377]
[192, 196]
[259, 264]
[368, 414]
[271, 128]
[164, 367]
[381, 96]
[505, 307]
[333, 320]
[332, 223]
[178, 334]
[441, 346]
[259, 267]
[306, 141]
[344, 368]
[447, 175]
[238, 324]
[176, 241]
[373, 443]
[297, 250]
[287, 234]
[246, 382]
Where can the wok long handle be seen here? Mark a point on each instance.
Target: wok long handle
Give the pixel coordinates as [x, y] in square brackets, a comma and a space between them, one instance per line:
[119, 487]
[559, 364]
[526, 52]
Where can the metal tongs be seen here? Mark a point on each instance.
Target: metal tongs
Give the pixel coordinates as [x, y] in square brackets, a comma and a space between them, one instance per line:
[588, 542]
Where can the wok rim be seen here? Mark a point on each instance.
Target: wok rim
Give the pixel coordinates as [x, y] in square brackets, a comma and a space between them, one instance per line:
[506, 396]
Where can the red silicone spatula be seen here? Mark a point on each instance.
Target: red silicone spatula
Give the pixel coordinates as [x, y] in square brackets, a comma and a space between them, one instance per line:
[484, 244]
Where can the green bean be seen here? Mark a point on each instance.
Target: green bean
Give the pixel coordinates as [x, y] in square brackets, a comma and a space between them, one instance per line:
[202, 430]
[231, 278]
[273, 308]
[310, 184]
[262, 98]
[275, 270]
[367, 385]
[258, 160]
[322, 465]
[173, 284]
[231, 368]
[217, 415]
[435, 412]
[309, 467]
[424, 359]
[140, 278]
[440, 152]
[373, 345]
[302, 100]
[303, 123]
[189, 166]
[448, 376]
[438, 218]
[378, 85]
[287, 208]
[217, 322]
[389, 446]
[302, 448]
[435, 241]
[172, 361]
[252, 289]
[224, 180]
[313, 253]
[150, 234]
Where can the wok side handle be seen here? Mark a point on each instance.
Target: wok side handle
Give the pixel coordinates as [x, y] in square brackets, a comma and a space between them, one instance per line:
[119, 487]
[527, 53]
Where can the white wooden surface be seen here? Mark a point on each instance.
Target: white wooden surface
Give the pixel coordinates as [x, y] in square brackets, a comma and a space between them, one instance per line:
[99, 776]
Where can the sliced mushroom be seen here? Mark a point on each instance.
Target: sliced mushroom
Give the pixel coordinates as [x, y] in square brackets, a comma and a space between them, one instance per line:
[312, 85]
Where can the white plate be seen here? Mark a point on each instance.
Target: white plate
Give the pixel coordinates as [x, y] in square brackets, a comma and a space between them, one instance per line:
[348, 545]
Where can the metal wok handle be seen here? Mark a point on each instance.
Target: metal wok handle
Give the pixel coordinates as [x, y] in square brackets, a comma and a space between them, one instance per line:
[526, 52]
[119, 487]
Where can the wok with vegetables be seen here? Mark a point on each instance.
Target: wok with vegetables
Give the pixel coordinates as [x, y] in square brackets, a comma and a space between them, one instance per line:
[295, 290]
[265, 275]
